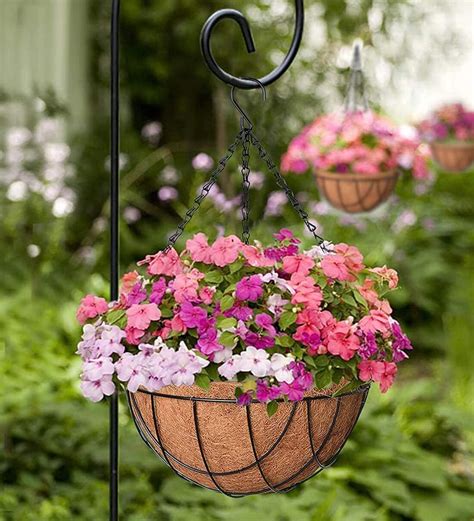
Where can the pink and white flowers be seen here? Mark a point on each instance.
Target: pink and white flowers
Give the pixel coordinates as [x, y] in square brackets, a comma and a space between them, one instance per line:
[360, 142]
[279, 320]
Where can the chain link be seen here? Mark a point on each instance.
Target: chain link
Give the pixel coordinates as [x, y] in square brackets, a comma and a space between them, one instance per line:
[205, 190]
[284, 186]
[245, 170]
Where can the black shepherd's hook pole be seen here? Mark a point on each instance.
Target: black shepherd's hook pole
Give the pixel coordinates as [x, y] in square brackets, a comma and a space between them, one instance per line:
[114, 238]
[237, 16]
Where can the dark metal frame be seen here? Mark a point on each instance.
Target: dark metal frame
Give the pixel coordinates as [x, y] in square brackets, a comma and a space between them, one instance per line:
[167, 457]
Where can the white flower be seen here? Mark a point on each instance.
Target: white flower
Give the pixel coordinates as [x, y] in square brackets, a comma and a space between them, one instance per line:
[321, 250]
[280, 283]
[279, 368]
[275, 303]
[231, 367]
[255, 361]
[223, 355]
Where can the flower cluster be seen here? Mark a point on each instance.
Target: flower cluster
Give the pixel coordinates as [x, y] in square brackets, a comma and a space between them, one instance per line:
[450, 122]
[277, 320]
[360, 142]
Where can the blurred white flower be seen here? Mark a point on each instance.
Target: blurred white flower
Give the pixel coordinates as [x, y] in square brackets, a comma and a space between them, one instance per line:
[48, 130]
[169, 174]
[406, 219]
[33, 250]
[62, 207]
[17, 191]
[275, 203]
[321, 208]
[203, 162]
[256, 180]
[152, 132]
[18, 136]
[131, 214]
[56, 152]
[167, 193]
[123, 162]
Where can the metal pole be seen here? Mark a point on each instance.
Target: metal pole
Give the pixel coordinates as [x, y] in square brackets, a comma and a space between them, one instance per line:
[114, 242]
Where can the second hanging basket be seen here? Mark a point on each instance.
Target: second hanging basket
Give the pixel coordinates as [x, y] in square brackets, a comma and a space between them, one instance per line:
[355, 193]
[206, 438]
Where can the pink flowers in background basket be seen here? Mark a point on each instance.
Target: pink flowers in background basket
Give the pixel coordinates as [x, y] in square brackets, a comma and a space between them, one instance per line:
[450, 122]
[279, 320]
[359, 142]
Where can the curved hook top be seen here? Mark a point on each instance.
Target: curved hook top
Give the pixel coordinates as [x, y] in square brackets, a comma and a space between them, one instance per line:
[237, 16]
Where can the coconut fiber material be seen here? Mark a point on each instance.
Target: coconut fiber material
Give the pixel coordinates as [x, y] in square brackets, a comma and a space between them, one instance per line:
[356, 193]
[453, 157]
[206, 438]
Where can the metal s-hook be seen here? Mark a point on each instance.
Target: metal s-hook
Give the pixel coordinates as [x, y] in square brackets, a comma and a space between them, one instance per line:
[244, 117]
[237, 16]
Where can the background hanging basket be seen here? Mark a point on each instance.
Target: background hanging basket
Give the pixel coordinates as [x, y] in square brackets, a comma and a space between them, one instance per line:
[453, 157]
[356, 193]
[206, 438]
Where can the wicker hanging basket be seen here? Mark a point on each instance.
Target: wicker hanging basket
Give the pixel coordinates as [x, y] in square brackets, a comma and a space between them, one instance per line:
[209, 440]
[453, 157]
[355, 193]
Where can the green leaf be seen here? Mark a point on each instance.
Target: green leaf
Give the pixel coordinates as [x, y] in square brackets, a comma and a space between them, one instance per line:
[284, 341]
[324, 378]
[226, 323]
[349, 299]
[166, 312]
[227, 339]
[212, 372]
[351, 386]
[226, 302]
[236, 266]
[202, 380]
[321, 360]
[214, 277]
[272, 408]
[287, 318]
[360, 299]
[309, 360]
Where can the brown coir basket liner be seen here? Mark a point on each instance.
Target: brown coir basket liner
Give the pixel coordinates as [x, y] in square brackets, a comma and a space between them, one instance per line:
[453, 157]
[356, 193]
[206, 438]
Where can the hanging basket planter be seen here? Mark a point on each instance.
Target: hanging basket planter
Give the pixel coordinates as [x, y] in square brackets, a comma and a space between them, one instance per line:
[206, 438]
[450, 132]
[355, 193]
[455, 156]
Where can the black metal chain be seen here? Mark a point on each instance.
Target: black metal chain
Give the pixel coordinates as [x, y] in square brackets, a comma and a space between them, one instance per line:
[284, 186]
[205, 190]
[245, 170]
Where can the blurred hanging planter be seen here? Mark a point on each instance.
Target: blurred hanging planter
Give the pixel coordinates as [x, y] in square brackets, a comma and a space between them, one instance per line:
[450, 132]
[356, 156]
[246, 367]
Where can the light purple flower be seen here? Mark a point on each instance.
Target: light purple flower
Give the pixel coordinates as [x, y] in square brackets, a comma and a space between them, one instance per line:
[167, 193]
[275, 303]
[275, 203]
[203, 162]
[130, 369]
[95, 390]
[230, 368]
[110, 341]
[94, 370]
[187, 365]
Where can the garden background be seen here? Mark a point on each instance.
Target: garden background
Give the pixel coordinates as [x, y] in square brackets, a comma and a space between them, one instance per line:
[411, 455]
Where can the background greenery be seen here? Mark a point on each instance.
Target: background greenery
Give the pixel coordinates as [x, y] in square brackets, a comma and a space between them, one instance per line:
[411, 455]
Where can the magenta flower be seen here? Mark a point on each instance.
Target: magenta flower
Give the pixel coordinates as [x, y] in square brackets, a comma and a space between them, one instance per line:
[158, 291]
[245, 399]
[249, 288]
[192, 316]
[137, 295]
[368, 345]
[400, 343]
[240, 312]
[265, 322]
[259, 341]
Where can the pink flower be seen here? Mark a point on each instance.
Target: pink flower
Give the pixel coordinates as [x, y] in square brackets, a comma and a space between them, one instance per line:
[199, 249]
[185, 288]
[286, 235]
[206, 294]
[163, 263]
[382, 372]
[334, 267]
[255, 257]
[301, 264]
[139, 316]
[367, 291]
[177, 325]
[133, 335]
[90, 307]
[375, 321]
[352, 257]
[388, 275]
[306, 292]
[225, 250]
[342, 340]
[249, 288]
